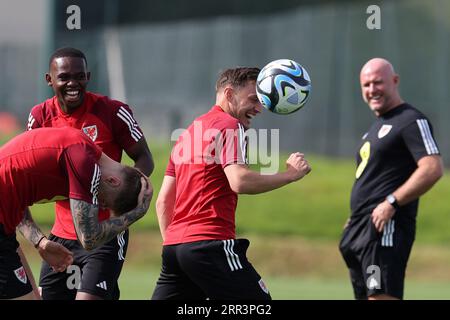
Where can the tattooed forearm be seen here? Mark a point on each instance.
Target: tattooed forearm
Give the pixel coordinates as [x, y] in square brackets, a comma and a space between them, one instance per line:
[93, 233]
[85, 220]
[29, 229]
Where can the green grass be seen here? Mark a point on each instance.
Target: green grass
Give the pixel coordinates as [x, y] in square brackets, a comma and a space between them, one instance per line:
[316, 207]
[137, 283]
[313, 209]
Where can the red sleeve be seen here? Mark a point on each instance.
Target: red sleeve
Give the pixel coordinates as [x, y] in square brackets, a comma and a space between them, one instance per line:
[170, 170]
[233, 145]
[35, 118]
[126, 129]
[80, 161]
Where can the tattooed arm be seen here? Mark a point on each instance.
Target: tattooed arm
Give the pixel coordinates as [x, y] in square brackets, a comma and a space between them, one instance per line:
[29, 229]
[93, 233]
[56, 255]
[32, 233]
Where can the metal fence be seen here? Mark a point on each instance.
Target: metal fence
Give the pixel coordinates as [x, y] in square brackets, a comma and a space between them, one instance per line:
[166, 70]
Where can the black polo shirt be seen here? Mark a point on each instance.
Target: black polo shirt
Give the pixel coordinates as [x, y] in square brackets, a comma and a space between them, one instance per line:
[388, 155]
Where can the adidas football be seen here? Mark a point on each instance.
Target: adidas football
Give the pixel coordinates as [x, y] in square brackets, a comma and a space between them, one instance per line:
[283, 86]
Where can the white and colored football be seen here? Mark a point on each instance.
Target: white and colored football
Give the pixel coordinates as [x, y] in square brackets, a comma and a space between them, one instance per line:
[283, 86]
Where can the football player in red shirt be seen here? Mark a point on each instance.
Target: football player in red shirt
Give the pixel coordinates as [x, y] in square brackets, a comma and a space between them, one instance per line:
[62, 163]
[201, 256]
[111, 125]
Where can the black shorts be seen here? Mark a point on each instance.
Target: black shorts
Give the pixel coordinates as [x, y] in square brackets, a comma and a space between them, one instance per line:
[212, 269]
[377, 260]
[14, 282]
[95, 272]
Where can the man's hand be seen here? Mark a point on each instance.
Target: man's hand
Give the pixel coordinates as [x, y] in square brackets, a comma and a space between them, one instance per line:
[56, 255]
[144, 198]
[297, 166]
[382, 214]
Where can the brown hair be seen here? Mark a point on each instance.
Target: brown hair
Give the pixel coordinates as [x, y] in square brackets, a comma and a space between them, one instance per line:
[237, 77]
[127, 198]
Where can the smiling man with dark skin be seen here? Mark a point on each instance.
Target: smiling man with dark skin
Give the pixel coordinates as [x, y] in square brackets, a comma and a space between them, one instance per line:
[111, 126]
[68, 77]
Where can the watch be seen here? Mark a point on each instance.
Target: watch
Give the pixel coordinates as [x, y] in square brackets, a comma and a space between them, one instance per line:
[392, 201]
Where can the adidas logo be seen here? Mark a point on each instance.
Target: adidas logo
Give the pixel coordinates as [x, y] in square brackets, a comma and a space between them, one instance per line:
[102, 285]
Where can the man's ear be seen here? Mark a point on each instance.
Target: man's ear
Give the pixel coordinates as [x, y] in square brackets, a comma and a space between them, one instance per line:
[229, 94]
[396, 79]
[48, 78]
[113, 181]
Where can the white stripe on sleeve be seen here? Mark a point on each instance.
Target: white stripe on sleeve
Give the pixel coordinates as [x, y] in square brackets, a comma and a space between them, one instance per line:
[31, 121]
[427, 138]
[95, 183]
[130, 122]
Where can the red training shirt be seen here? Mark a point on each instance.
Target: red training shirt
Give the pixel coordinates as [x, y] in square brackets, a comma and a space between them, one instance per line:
[109, 123]
[44, 165]
[205, 204]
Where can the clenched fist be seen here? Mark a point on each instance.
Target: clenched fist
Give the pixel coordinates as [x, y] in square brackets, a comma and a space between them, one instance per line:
[297, 166]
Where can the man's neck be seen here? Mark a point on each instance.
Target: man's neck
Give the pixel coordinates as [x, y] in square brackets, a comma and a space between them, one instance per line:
[394, 105]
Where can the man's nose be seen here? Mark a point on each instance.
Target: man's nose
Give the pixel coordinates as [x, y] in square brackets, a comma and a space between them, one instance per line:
[72, 81]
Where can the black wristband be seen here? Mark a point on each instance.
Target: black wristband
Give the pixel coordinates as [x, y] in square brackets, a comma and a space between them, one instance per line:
[37, 244]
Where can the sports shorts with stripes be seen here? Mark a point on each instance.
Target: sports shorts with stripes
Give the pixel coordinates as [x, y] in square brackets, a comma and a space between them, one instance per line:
[210, 269]
[14, 282]
[377, 260]
[95, 272]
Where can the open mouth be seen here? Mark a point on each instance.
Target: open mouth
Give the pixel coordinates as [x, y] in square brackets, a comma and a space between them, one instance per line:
[72, 95]
[376, 98]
